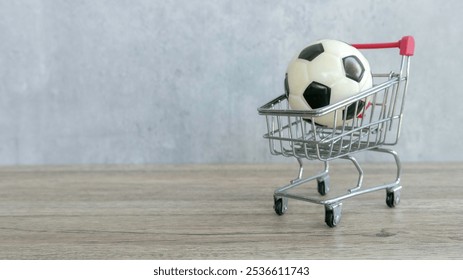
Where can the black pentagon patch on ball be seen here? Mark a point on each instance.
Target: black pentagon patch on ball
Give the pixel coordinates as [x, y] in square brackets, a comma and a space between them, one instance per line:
[311, 52]
[353, 67]
[317, 95]
[351, 112]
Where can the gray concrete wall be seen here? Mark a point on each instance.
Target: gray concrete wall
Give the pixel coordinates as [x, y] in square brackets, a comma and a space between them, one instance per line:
[139, 81]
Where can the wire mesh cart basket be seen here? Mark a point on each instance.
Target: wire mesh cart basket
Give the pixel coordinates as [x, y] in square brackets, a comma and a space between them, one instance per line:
[294, 133]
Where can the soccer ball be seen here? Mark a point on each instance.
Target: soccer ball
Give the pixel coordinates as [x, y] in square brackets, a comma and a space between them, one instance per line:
[324, 73]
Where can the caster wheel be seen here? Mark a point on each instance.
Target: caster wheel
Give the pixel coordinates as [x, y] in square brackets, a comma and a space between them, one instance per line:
[393, 197]
[323, 185]
[280, 205]
[333, 214]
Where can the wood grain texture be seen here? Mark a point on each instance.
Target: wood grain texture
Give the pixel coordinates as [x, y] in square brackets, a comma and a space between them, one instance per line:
[224, 212]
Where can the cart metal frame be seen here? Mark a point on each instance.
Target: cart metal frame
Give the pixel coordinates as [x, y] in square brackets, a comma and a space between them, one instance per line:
[294, 133]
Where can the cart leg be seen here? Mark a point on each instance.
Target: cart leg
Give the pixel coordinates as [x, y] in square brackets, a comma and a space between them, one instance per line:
[393, 192]
[323, 179]
[301, 170]
[397, 162]
[360, 171]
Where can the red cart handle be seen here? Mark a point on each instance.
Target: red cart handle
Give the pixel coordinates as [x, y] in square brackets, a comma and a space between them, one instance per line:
[406, 45]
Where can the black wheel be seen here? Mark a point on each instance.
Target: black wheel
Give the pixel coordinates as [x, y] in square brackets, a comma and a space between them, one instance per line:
[330, 219]
[279, 206]
[333, 215]
[392, 199]
[321, 187]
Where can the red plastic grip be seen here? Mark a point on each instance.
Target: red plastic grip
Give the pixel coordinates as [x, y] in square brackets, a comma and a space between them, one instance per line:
[406, 45]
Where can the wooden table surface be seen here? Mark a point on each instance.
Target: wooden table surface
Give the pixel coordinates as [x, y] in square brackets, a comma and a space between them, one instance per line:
[224, 212]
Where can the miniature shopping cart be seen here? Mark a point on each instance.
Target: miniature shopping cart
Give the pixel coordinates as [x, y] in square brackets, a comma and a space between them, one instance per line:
[294, 133]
